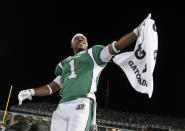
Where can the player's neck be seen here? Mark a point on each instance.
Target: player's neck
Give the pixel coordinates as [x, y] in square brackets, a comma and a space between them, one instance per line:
[76, 51]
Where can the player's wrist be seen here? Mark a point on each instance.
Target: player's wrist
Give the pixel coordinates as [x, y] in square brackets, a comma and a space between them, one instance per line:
[32, 91]
[114, 48]
[50, 90]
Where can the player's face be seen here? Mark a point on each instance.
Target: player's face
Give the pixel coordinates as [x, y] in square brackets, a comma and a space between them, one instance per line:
[79, 42]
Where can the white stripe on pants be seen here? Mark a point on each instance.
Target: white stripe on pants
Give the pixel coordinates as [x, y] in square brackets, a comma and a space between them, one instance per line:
[68, 118]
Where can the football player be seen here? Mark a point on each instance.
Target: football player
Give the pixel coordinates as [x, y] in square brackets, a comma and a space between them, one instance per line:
[76, 80]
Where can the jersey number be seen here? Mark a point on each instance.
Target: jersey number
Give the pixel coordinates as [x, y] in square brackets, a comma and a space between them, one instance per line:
[73, 74]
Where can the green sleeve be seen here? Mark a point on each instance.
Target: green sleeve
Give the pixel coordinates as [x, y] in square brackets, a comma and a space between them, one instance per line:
[96, 54]
[58, 70]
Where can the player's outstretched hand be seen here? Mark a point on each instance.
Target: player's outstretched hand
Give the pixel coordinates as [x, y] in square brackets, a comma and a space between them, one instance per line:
[137, 30]
[25, 94]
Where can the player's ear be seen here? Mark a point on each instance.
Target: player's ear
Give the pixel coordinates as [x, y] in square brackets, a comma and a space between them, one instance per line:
[72, 43]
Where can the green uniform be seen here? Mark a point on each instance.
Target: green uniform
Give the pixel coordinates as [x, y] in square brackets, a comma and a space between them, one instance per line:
[80, 74]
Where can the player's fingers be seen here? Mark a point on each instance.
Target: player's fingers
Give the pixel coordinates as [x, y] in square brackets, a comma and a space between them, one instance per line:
[20, 102]
[30, 98]
[20, 98]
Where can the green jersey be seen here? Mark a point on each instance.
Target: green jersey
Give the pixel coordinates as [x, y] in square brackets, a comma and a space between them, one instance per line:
[80, 74]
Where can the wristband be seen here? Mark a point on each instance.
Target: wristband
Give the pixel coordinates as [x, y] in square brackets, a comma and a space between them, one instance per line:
[50, 90]
[113, 47]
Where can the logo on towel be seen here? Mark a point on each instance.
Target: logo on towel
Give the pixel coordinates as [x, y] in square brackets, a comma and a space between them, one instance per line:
[80, 107]
[154, 27]
[155, 54]
[140, 53]
[145, 69]
[138, 74]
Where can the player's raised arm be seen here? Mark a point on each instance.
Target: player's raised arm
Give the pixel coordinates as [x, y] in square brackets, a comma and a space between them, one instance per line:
[116, 46]
[113, 48]
[125, 40]
[45, 90]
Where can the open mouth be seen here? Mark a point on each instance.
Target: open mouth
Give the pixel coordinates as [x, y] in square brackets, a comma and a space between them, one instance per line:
[81, 43]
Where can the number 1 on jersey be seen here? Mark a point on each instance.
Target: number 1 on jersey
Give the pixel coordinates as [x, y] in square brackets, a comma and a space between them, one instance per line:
[72, 66]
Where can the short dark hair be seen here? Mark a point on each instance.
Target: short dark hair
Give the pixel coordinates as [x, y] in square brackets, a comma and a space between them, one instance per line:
[19, 118]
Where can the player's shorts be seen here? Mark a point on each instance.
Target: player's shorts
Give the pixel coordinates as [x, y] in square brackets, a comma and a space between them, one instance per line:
[75, 115]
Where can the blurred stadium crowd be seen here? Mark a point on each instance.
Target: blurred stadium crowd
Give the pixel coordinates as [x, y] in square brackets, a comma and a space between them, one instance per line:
[107, 120]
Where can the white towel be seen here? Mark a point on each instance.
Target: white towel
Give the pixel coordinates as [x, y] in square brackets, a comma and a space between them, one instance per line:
[139, 64]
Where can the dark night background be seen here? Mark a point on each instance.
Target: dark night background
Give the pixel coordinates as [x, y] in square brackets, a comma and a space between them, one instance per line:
[36, 36]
